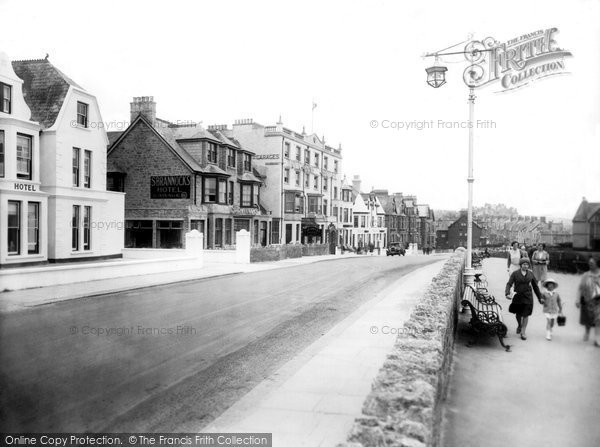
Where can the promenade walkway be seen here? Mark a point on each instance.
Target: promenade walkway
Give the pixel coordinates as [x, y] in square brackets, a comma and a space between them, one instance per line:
[542, 393]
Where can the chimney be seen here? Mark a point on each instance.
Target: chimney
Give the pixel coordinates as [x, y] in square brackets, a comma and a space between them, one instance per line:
[144, 105]
[356, 182]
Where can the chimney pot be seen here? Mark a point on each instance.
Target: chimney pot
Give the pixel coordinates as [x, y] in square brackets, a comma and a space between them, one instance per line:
[144, 105]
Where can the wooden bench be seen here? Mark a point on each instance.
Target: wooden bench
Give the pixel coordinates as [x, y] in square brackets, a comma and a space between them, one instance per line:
[486, 314]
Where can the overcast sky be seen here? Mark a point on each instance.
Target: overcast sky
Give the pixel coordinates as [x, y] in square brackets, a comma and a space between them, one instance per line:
[360, 61]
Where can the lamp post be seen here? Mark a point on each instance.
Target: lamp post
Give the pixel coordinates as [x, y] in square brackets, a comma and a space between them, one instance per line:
[436, 77]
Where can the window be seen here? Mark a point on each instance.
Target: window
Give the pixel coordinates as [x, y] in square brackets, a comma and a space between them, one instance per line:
[335, 166]
[33, 228]
[255, 232]
[297, 178]
[286, 150]
[75, 229]
[218, 232]
[290, 201]
[336, 212]
[306, 180]
[325, 163]
[246, 199]
[5, 98]
[76, 152]
[298, 153]
[231, 158]
[1, 153]
[82, 114]
[210, 190]
[228, 231]
[14, 227]
[363, 221]
[325, 207]
[316, 160]
[241, 224]
[247, 162]
[169, 233]
[212, 153]
[286, 175]
[306, 156]
[222, 191]
[356, 221]
[87, 168]
[115, 181]
[275, 232]
[316, 182]
[325, 183]
[314, 205]
[335, 192]
[138, 234]
[231, 186]
[255, 200]
[24, 157]
[87, 219]
[346, 215]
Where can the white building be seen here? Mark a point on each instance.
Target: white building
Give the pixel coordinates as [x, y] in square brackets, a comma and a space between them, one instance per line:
[303, 187]
[369, 222]
[54, 154]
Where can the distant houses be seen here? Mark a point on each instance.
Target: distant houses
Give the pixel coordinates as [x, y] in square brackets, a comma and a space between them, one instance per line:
[586, 226]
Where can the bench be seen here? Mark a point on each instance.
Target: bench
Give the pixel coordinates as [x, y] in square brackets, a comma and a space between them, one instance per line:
[486, 314]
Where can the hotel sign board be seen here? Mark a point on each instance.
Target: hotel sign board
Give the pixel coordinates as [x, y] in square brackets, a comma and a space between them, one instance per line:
[170, 186]
[516, 62]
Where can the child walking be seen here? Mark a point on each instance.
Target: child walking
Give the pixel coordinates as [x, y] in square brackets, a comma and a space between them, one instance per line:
[552, 305]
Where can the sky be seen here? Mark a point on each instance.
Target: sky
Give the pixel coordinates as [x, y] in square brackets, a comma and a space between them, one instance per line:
[361, 62]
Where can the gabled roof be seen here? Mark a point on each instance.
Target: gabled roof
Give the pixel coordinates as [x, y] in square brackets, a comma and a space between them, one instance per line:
[45, 88]
[113, 136]
[586, 210]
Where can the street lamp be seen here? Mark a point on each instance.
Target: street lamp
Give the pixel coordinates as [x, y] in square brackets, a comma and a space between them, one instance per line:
[436, 77]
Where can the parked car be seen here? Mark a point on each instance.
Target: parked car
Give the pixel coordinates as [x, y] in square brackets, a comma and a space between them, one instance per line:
[395, 249]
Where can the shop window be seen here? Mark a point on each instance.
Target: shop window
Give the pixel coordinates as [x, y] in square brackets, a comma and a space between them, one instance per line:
[33, 228]
[87, 232]
[218, 232]
[75, 220]
[24, 155]
[87, 169]
[169, 233]
[1, 153]
[5, 98]
[76, 152]
[228, 232]
[14, 227]
[138, 234]
[82, 114]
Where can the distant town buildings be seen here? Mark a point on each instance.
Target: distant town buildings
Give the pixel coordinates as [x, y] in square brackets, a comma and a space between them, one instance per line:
[586, 226]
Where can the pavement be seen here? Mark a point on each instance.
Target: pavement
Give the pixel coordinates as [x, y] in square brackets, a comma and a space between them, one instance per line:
[541, 393]
[314, 398]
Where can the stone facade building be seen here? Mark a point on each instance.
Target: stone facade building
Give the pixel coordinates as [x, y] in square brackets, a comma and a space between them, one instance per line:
[183, 177]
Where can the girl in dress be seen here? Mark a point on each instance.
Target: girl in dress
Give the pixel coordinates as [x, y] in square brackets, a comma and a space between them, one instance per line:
[552, 305]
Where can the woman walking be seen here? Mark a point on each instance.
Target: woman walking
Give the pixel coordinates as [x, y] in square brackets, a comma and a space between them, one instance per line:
[540, 260]
[589, 301]
[523, 282]
[514, 256]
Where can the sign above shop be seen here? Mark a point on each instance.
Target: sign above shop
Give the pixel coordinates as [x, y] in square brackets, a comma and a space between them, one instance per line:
[516, 62]
[267, 157]
[170, 186]
[251, 211]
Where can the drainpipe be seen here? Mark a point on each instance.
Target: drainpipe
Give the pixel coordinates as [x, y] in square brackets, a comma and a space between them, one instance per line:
[281, 201]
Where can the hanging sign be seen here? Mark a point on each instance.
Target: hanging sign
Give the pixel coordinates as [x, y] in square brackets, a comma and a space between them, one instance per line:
[516, 62]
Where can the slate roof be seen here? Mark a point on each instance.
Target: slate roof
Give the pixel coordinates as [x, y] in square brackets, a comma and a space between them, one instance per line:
[113, 136]
[586, 210]
[44, 89]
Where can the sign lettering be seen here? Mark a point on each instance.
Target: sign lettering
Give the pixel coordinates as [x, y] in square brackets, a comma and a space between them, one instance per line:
[170, 187]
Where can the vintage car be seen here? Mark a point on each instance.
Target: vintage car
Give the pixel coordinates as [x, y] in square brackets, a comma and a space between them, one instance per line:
[395, 249]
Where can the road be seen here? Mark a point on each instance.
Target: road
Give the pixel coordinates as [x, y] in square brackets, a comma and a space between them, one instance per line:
[172, 358]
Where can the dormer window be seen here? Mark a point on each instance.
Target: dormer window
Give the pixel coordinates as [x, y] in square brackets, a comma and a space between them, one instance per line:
[5, 98]
[212, 153]
[82, 114]
[247, 162]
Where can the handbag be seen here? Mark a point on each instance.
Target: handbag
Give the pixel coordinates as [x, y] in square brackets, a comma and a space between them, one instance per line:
[561, 320]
